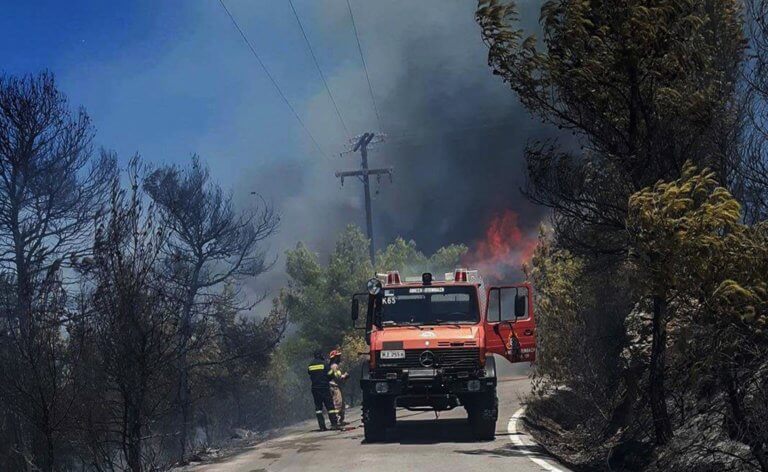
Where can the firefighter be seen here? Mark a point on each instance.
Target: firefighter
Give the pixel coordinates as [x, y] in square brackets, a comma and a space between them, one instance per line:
[320, 375]
[337, 380]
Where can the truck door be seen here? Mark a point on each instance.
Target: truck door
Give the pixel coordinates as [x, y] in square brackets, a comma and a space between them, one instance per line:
[510, 327]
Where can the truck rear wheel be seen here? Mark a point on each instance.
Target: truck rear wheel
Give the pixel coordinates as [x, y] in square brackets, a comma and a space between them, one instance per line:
[483, 411]
[378, 415]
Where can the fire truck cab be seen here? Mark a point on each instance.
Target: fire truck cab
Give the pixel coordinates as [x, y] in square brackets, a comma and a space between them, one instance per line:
[431, 345]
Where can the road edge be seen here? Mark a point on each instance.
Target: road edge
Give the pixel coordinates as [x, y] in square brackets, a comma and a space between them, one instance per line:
[520, 438]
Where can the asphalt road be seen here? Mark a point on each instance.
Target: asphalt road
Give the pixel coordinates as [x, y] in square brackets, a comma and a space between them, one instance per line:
[419, 442]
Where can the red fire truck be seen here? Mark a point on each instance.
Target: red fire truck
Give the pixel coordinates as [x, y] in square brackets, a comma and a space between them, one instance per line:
[431, 345]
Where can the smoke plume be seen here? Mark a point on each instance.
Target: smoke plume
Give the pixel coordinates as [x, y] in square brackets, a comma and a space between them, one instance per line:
[455, 136]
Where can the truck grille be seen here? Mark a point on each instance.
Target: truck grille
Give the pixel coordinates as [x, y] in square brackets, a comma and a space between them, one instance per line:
[443, 358]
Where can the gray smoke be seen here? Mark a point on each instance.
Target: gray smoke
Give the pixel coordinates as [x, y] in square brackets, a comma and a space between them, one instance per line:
[456, 133]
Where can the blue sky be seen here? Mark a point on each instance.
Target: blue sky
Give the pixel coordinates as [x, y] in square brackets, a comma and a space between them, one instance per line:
[162, 77]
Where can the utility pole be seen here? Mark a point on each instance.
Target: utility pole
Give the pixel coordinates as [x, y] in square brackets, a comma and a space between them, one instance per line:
[361, 144]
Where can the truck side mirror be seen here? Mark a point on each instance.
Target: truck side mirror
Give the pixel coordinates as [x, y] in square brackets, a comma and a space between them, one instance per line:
[355, 309]
[521, 306]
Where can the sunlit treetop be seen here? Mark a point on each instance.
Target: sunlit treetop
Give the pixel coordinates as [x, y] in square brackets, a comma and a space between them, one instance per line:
[616, 69]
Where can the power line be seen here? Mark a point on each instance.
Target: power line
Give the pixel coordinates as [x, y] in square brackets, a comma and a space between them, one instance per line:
[425, 134]
[365, 67]
[272, 79]
[317, 65]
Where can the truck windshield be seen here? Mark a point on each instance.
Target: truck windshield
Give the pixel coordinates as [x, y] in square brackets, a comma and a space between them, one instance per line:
[429, 305]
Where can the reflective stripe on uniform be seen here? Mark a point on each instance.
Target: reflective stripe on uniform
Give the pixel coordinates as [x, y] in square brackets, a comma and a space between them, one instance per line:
[319, 412]
[333, 411]
[316, 367]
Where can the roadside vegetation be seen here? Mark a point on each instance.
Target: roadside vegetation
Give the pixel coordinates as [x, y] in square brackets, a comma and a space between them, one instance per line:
[652, 277]
[317, 301]
[127, 336]
[124, 337]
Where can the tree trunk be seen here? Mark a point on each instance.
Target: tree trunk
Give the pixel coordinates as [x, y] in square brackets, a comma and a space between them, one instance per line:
[661, 423]
[134, 443]
[43, 444]
[185, 403]
[50, 451]
[740, 419]
[623, 413]
[239, 419]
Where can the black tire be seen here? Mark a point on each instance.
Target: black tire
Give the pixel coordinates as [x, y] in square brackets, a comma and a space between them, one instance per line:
[391, 414]
[483, 412]
[378, 415]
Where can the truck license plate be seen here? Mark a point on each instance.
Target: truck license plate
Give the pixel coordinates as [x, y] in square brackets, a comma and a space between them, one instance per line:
[399, 354]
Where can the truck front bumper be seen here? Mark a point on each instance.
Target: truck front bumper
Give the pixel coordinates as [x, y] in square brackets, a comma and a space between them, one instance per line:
[437, 384]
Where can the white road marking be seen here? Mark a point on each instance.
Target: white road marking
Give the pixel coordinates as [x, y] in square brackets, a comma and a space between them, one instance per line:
[517, 438]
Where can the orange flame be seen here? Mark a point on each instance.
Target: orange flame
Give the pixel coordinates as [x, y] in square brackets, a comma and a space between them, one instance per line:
[504, 249]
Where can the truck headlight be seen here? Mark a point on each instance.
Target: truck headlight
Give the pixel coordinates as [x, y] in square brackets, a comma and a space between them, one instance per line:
[473, 385]
[382, 387]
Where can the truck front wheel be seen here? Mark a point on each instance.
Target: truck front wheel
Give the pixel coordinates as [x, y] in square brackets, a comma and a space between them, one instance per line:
[378, 415]
[483, 410]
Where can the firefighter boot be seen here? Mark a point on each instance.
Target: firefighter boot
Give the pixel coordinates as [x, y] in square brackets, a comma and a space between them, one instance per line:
[334, 419]
[321, 420]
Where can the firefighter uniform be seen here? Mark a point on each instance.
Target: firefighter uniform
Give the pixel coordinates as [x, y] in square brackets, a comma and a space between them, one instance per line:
[320, 375]
[337, 381]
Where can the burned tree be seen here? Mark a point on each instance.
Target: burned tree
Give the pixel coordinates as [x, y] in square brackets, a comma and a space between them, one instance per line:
[210, 244]
[643, 88]
[132, 322]
[752, 175]
[690, 236]
[231, 369]
[50, 190]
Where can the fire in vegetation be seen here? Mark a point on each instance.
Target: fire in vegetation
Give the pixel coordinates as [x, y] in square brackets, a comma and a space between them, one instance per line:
[503, 250]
